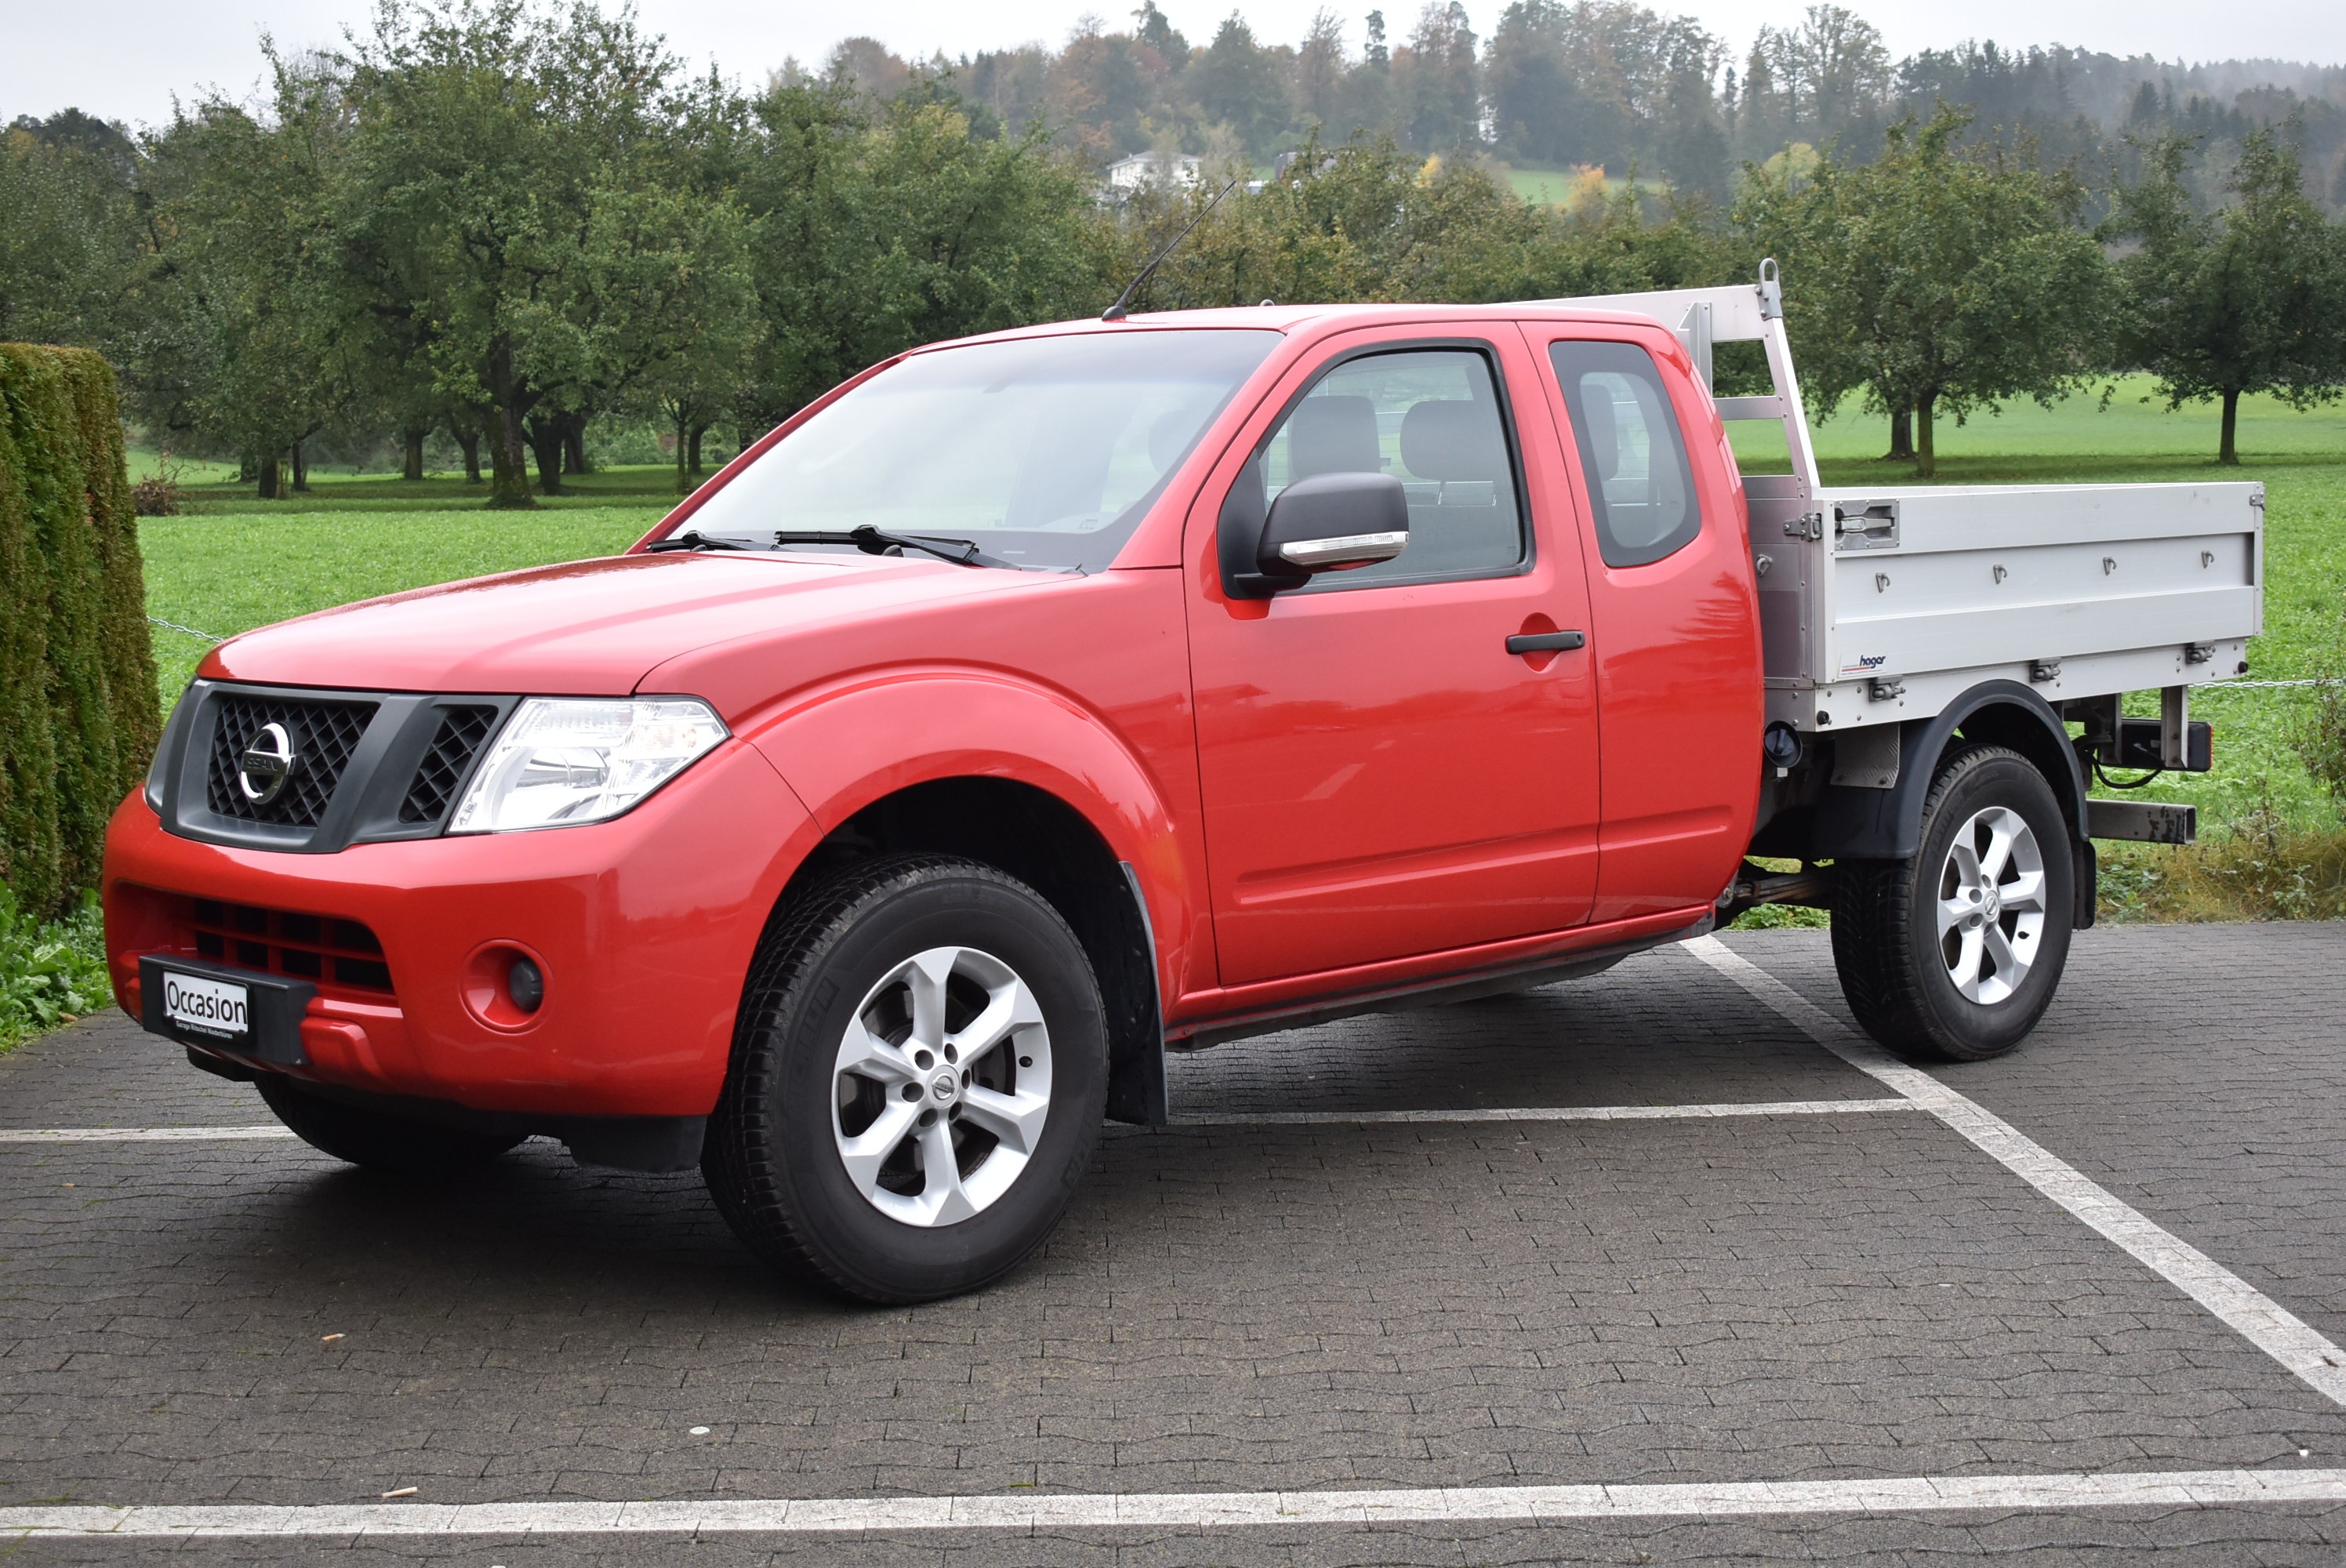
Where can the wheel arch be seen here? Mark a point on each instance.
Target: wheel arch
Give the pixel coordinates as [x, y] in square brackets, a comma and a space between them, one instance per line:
[1029, 833]
[1851, 823]
[1027, 778]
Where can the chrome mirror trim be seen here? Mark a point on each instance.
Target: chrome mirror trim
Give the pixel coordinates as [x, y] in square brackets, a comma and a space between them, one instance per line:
[1346, 550]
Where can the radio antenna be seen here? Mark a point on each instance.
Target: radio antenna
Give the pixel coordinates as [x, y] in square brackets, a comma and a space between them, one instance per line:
[1117, 312]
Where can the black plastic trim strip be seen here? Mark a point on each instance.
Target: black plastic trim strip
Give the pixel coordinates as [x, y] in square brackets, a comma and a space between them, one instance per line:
[1436, 992]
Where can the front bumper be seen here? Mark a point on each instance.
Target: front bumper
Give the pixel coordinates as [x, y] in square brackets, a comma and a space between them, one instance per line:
[644, 926]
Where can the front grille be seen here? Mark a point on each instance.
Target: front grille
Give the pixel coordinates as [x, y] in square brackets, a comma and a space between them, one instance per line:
[454, 745]
[333, 952]
[323, 734]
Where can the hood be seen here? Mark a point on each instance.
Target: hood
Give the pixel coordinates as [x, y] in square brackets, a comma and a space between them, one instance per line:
[589, 629]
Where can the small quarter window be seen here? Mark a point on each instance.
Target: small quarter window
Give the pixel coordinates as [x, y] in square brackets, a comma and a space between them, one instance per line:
[1640, 485]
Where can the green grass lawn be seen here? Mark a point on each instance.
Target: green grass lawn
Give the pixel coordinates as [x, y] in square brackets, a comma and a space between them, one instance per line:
[2083, 434]
[231, 563]
[145, 462]
[214, 490]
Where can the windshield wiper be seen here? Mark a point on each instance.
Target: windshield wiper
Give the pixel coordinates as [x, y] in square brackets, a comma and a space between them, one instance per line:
[869, 540]
[876, 542]
[693, 541]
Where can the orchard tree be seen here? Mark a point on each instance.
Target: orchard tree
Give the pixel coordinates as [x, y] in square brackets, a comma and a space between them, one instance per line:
[487, 137]
[1358, 222]
[71, 243]
[249, 341]
[870, 236]
[1366, 222]
[2250, 299]
[1938, 279]
[677, 299]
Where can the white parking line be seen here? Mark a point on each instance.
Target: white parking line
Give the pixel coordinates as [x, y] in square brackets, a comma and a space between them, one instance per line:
[1542, 1113]
[138, 1134]
[2247, 1311]
[1234, 1119]
[1202, 1511]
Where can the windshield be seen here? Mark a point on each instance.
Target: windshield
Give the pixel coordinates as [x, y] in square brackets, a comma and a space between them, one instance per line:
[1045, 452]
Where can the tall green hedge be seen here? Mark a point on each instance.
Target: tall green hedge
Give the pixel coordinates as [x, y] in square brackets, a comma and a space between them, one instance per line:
[136, 706]
[78, 708]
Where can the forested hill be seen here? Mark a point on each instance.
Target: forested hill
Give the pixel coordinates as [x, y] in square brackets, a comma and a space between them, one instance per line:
[1602, 83]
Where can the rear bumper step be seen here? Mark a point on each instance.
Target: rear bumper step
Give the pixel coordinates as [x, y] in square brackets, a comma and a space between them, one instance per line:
[2148, 821]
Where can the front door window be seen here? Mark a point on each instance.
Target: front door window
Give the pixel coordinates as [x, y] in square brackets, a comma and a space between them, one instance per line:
[1431, 418]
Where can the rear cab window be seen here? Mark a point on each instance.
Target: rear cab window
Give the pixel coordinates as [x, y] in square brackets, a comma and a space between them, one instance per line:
[1640, 480]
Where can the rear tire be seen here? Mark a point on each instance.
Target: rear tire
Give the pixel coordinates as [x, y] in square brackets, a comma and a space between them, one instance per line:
[918, 1078]
[380, 1142]
[1955, 954]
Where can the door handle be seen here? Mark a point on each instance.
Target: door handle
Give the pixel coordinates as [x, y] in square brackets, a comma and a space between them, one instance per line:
[1546, 642]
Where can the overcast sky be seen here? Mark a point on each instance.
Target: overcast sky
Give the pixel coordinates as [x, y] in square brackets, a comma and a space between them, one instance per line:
[124, 59]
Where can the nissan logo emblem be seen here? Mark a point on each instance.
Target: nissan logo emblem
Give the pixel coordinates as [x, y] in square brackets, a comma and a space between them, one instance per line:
[265, 765]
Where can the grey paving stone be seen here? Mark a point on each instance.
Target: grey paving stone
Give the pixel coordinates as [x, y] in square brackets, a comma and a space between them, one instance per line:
[2197, 1072]
[105, 1069]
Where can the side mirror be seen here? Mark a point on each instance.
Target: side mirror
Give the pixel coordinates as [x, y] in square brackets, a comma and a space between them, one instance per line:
[1328, 523]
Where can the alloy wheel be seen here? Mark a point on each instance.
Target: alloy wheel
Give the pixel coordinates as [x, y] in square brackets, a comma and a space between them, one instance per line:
[1991, 904]
[941, 1086]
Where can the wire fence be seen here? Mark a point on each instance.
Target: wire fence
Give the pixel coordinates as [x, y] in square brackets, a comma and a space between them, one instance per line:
[2266, 685]
[187, 631]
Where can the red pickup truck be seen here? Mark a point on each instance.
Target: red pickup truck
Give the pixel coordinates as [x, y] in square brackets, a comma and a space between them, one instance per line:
[1030, 706]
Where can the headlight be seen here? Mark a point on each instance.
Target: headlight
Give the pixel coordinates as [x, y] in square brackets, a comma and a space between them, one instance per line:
[560, 761]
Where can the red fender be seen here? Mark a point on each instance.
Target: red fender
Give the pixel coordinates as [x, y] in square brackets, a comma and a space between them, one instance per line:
[845, 745]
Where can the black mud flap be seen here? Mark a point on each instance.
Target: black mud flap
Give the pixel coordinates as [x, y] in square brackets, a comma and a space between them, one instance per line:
[634, 1142]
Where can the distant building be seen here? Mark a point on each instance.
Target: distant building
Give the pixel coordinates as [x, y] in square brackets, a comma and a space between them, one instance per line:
[1153, 169]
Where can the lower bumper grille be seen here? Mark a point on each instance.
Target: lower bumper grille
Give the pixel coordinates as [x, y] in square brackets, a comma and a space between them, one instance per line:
[335, 954]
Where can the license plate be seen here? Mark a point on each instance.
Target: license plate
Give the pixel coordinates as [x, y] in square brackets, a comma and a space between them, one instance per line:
[213, 1007]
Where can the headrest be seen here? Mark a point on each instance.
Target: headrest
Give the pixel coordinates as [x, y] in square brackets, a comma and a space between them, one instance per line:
[1452, 439]
[1332, 435]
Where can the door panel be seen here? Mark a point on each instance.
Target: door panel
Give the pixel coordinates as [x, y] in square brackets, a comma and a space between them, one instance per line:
[1381, 777]
[1676, 638]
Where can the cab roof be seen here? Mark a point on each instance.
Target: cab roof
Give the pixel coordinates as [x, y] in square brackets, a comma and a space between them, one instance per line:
[1290, 319]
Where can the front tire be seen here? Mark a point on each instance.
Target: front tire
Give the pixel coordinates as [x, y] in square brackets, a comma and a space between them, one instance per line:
[918, 1078]
[1955, 954]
